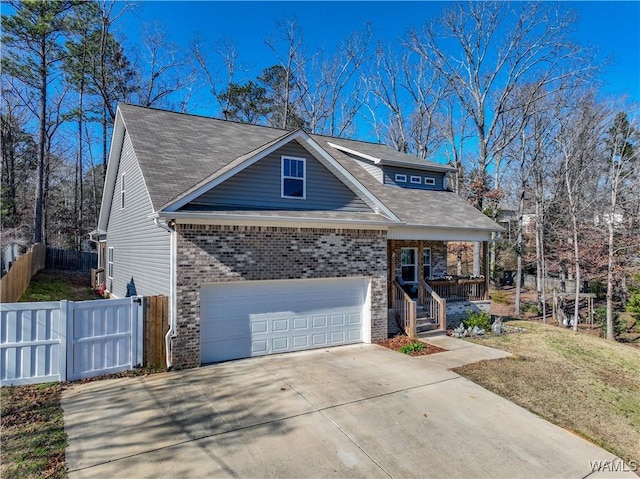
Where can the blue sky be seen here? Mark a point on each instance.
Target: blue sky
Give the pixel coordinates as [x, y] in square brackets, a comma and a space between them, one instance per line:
[612, 27]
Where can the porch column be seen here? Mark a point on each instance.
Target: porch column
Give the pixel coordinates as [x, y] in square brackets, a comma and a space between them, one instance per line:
[420, 272]
[485, 268]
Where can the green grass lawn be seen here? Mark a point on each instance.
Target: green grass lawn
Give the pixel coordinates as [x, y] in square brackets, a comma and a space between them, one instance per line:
[576, 380]
[56, 286]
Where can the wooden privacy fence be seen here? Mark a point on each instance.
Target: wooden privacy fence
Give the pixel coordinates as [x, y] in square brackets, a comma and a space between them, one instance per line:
[15, 282]
[156, 326]
[70, 260]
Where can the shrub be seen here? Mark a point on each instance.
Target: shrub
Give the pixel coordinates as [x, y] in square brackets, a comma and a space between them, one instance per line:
[600, 315]
[531, 308]
[633, 305]
[412, 348]
[480, 319]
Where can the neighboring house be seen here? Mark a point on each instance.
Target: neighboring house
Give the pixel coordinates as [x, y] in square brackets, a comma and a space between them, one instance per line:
[270, 241]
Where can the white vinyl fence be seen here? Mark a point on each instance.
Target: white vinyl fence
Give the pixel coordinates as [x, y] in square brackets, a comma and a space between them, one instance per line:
[67, 340]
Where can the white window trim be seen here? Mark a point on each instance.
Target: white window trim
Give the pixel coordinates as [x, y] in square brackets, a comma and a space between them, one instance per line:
[415, 264]
[430, 261]
[122, 190]
[428, 180]
[110, 267]
[416, 180]
[401, 178]
[304, 178]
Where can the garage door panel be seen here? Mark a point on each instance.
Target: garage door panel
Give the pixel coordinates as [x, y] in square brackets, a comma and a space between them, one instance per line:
[258, 327]
[300, 323]
[254, 318]
[319, 339]
[259, 346]
[319, 322]
[280, 325]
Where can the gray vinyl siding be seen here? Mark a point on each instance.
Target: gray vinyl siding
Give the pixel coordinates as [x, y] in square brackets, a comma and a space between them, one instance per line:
[373, 170]
[141, 249]
[259, 187]
[390, 178]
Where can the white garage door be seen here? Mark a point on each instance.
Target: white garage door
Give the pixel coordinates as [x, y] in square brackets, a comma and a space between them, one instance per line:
[254, 318]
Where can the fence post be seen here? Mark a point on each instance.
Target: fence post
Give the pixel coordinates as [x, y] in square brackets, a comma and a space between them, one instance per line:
[156, 322]
[66, 351]
[137, 330]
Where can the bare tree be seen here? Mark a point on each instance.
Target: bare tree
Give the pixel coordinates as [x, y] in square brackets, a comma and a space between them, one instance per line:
[215, 81]
[330, 95]
[411, 95]
[621, 167]
[283, 80]
[497, 49]
[578, 141]
[165, 72]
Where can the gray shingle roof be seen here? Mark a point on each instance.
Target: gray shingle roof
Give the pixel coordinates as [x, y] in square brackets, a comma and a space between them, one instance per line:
[176, 151]
[386, 153]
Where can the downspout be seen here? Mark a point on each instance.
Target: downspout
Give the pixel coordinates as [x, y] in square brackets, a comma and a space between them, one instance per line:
[172, 288]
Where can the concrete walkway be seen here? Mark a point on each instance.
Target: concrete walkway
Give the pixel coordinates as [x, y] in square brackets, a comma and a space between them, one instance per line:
[353, 411]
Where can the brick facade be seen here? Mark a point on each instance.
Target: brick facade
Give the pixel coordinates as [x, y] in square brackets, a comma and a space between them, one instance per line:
[209, 254]
[438, 256]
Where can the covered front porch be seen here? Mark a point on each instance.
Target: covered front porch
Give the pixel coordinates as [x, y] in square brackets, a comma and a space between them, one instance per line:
[423, 296]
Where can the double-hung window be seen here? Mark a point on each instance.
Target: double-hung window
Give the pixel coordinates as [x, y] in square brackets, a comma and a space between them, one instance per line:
[409, 265]
[294, 177]
[426, 263]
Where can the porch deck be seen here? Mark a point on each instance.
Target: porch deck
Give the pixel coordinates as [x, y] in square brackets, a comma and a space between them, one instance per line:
[422, 308]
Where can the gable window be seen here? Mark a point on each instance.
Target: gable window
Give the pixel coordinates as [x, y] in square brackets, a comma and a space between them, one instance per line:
[426, 263]
[429, 181]
[294, 177]
[416, 180]
[409, 265]
[122, 192]
[110, 268]
[401, 178]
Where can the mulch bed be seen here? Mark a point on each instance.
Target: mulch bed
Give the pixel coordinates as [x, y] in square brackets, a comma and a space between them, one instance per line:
[397, 342]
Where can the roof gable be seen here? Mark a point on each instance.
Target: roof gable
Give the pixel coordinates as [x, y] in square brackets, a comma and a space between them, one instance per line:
[259, 187]
[245, 161]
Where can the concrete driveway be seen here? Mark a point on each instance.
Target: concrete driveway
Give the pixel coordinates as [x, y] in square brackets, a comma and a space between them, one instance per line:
[353, 411]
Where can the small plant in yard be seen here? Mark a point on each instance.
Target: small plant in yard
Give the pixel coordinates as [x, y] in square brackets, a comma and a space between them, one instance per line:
[479, 319]
[412, 348]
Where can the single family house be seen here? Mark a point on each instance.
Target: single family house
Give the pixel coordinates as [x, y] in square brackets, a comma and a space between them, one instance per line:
[269, 241]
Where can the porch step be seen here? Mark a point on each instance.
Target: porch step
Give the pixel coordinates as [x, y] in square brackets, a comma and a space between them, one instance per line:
[422, 314]
[423, 325]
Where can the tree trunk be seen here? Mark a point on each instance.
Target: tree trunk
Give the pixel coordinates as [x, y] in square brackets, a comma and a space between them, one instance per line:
[610, 333]
[576, 257]
[79, 172]
[519, 247]
[104, 142]
[38, 223]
